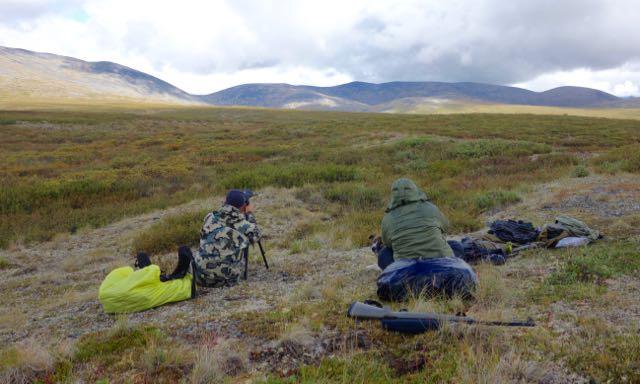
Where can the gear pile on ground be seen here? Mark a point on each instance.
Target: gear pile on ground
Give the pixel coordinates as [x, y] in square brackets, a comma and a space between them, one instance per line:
[508, 237]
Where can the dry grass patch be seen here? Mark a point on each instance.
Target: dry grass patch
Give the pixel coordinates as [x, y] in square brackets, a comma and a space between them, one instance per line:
[24, 362]
[492, 291]
[219, 359]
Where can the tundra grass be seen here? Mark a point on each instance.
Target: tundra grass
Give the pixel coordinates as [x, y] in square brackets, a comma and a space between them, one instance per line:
[68, 170]
[458, 107]
[62, 171]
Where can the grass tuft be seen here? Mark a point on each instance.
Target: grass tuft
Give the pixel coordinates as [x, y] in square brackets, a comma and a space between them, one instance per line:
[486, 148]
[171, 232]
[289, 176]
[355, 196]
[109, 348]
[496, 199]
[580, 171]
[25, 362]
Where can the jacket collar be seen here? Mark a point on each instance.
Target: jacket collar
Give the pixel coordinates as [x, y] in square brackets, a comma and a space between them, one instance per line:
[230, 212]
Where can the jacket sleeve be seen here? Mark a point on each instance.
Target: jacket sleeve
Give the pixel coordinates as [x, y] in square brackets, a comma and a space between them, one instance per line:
[250, 228]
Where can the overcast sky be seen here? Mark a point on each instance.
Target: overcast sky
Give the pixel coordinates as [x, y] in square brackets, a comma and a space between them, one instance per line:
[205, 46]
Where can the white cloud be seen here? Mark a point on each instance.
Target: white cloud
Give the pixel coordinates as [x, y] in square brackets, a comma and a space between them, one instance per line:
[207, 45]
[622, 81]
[626, 89]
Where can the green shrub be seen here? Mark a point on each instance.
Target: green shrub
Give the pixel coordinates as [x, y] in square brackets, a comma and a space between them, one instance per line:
[4, 263]
[597, 263]
[461, 221]
[108, 347]
[494, 199]
[580, 269]
[9, 357]
[622, 159]
[74, 192]
[7, 121]
[440, 169]
[413, 142]
[171, 232]
[405, 155]
[418, 165]
[496, 147]
[583, 271]
[580, 171]
[302, 230]
[355, 196]
[304, 245]
[288, 176]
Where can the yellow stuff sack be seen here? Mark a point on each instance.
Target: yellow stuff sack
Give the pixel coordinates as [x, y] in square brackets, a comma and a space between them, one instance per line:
[125, 290]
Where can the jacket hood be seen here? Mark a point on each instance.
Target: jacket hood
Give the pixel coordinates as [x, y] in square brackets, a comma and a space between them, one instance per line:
[403, 192]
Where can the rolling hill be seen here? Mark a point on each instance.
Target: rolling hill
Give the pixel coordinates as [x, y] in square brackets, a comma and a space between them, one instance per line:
[42, 77]
[360, 96]
[30, 77]
[283, 96]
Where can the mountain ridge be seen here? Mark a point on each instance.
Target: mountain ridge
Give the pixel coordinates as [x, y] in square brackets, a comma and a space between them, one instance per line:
[372, 94]
[34, 76]
[37, 75]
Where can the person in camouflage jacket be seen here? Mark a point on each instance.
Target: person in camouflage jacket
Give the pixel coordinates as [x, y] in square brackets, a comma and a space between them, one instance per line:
[223, 238]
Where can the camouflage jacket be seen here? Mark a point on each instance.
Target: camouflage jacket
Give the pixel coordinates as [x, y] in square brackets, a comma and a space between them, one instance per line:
[224, 236]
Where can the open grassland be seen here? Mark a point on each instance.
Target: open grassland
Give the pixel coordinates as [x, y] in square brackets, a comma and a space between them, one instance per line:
[81, 192]
[451, 106]
[69, 170]
[12, 101]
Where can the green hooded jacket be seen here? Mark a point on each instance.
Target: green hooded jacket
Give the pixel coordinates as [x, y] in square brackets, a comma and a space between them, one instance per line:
[412, 226]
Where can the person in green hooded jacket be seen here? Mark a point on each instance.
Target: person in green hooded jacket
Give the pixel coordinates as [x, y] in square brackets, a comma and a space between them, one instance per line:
[412, 227]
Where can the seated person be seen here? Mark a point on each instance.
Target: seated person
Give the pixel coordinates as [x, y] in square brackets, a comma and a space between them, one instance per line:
[225, 235]
[412, 227]
[126, 290]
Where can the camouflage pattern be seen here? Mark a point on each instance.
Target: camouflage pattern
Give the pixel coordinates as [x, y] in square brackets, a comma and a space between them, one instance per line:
[224, 236]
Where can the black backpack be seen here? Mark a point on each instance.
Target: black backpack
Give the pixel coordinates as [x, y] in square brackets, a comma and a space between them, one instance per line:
[519, 232]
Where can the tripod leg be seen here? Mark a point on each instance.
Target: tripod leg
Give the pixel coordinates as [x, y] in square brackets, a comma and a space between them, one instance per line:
[264, 257]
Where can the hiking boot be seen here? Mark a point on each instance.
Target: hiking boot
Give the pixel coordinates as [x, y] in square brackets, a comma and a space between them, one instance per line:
[184, 261]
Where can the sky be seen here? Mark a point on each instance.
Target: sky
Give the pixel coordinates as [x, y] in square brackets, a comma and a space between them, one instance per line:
[205, 46]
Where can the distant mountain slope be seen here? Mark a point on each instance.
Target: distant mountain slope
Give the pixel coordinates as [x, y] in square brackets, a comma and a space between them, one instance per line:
[28, 75]
[373, 94]
[281, 96]
[576, 97]
[375, 97]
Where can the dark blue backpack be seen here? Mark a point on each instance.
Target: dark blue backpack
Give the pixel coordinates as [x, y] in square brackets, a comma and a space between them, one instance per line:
[448, 276]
